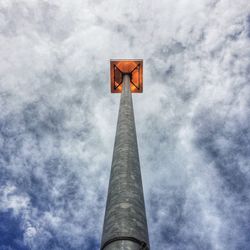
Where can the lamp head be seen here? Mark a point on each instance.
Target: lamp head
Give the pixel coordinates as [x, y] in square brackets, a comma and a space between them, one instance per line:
[131, 67]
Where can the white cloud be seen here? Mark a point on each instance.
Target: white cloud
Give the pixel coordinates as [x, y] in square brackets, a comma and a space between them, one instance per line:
[11, 199]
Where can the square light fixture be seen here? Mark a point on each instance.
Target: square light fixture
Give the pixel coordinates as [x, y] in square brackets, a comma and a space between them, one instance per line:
[131, 67]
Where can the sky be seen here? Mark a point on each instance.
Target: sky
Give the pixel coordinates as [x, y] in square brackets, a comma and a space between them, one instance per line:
[58, 120]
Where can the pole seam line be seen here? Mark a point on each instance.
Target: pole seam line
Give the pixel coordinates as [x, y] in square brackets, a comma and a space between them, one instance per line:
[142, 244]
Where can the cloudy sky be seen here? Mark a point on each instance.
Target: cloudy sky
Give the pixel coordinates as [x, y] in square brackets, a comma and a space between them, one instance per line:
[58, 120]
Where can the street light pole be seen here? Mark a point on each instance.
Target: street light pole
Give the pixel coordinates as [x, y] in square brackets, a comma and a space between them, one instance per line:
[125, 223]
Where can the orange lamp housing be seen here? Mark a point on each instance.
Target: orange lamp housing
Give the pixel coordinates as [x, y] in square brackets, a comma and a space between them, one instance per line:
[133, 68]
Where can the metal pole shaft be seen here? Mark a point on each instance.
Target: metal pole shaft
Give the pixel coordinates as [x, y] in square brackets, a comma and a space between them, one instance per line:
[125, 224]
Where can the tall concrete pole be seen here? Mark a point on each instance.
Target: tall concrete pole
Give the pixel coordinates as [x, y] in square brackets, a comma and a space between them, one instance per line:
[125, 223]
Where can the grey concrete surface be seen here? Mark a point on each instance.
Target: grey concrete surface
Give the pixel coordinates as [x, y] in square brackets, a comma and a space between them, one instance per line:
[125, 210]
